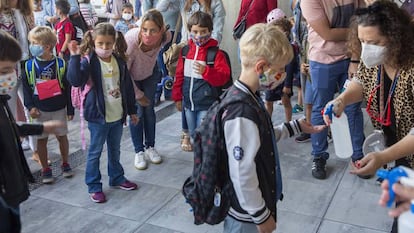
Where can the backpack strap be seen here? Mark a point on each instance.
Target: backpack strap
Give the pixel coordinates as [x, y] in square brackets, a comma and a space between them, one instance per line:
[30, 74]
[211, 55]
[184, 51]
[60, 70]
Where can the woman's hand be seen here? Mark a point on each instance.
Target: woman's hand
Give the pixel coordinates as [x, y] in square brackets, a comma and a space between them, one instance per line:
[368, 165]
[402, 194]
[338, 107]
[134, 119]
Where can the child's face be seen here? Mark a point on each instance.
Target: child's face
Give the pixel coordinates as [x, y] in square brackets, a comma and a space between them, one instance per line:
[127, 11]
[46, 48]
[105, 42]
[8, 77]
[150, 33]
[7, 67]
[200, 35]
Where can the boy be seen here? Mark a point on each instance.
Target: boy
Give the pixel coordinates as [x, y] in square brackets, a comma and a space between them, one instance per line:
[64, 29]
[196, 81]
[47, 95]
[249, 135]
[127, 21]
[13, 166]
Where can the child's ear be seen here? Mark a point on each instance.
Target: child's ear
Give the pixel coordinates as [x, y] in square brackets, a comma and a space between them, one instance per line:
[260, 66]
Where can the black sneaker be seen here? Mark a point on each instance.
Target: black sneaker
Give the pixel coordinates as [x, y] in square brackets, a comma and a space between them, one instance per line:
[318, 168]
[303, 137]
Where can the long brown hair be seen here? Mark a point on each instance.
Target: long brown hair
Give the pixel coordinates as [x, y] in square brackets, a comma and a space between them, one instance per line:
[207, 5]
[156, 17]
[104, 29]
[25, 6]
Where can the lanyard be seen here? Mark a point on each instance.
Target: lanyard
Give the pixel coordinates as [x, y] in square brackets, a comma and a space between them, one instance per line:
[38, 71]
[380, 82]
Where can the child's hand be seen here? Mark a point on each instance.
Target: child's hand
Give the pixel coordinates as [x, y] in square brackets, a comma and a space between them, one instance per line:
[34, 113]
[199, 68]
[179, 105]
[304, 68]
[74, 48]
[70, 117]
[131, 25]
[134, 119]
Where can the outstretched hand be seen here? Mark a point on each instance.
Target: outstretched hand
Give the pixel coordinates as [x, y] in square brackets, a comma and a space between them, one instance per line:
[309, 128]
[74, 48]
[50, 126]
[368, 165]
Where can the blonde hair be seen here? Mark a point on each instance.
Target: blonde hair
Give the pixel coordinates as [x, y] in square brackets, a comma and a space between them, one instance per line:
[44, 35]
[264, 41]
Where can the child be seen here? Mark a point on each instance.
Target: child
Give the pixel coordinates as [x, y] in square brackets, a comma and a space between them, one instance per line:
[195, 81]
[114, 10]
[108, 103]
[283, 92]
[253, 160]
[64, 29]
[127, 21]
[144, 43]
[38, 12]
[47, 95]
[88, 12]
[13, 167]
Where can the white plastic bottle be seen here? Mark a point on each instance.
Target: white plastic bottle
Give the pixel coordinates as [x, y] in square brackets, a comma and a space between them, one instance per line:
[406, 220]
[341, 136]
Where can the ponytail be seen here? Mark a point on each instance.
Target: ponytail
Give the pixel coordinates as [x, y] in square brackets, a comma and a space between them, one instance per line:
[87, 45]
[120, 46]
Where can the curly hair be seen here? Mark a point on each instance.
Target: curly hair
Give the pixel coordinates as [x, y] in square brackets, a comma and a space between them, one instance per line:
[393, 23]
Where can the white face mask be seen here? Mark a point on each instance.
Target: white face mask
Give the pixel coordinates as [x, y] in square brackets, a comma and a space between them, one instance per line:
[270, 79]
[373, 55]
[127, 16]
[7, 83]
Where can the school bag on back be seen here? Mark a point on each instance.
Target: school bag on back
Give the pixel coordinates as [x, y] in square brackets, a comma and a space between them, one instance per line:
[211, 57]
[209, 189]
[78, 95]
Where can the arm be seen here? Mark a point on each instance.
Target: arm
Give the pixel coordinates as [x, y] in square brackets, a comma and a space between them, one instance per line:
[220, 73]
[177, 91]
[69, 108]
[219, 15]
[147, 4]
[132, 109]
[164, 5]
[29, 129]
[74, 7]
[78, 71]
[131, 40]
[27, 91]
[242, 132]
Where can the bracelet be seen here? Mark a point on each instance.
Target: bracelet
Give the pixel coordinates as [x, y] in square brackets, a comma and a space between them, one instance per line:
[355, 61]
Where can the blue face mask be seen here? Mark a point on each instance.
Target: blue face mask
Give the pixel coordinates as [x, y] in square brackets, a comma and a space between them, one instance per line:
[200, 40]
[36, 50]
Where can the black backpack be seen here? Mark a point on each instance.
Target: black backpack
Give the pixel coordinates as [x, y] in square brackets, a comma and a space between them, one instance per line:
[209, 189]
[211, 57]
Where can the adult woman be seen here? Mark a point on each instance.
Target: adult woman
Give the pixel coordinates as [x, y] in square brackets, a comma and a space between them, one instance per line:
[144, 44]
[385, 79]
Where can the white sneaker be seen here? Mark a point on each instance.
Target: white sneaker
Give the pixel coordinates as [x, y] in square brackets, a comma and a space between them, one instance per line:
[153, 155]
[140, 162]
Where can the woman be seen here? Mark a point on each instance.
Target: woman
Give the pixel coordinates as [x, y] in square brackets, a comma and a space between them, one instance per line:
[144, 43]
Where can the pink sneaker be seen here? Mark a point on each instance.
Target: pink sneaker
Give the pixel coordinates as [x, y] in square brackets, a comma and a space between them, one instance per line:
[128, 185]
[98, 197]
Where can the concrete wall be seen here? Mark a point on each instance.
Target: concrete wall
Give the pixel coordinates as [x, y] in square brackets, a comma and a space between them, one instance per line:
[228, 43]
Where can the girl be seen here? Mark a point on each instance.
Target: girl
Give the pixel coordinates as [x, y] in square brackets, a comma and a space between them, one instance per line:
[106, 105]
[144, 43]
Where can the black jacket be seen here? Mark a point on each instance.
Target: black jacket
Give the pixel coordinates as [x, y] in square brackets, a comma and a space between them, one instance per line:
[14, 171]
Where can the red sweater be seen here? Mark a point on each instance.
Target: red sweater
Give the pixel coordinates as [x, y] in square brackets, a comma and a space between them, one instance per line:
[257, 12]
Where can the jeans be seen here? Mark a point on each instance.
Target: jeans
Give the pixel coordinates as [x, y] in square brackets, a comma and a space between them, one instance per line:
[9, 218]
[231, 225]
[194, 119]
[326, 80]
[146, 114]
[110, 133]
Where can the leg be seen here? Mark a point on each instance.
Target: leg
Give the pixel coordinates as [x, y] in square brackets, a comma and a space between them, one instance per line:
[42, 152]
[185, 135]
[64, 147]
[269, 107]
[191, 120]
[115, 170]
[287, 105]
[99, 134]
[137, 131]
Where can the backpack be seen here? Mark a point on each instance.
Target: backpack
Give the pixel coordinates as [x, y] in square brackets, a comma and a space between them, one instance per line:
[31, 72]
[77, 33]
[211, 57]
[78, 96]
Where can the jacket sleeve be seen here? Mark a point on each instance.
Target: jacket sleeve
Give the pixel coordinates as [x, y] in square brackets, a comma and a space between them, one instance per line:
[27, 91]
[78, 71]
[29, 129]
[147, 4]
[69, 108]
[286, 130]
[220, 73]
[132, 109]
[243, 139]
[177, 91]
[131, 40]
[219, 15]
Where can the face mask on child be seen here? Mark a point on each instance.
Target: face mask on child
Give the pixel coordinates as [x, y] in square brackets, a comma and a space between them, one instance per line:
[7, 82]
[200, 40]
[36, 50]
[270, 79]
[103, 53]
[127, 16]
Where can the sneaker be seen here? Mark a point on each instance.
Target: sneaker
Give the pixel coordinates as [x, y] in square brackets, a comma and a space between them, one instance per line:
[128, 185]
[47, 176]
[153, 155]
[140, 162]
[318, 168]
[66, 170]
[329, 137]
[98, 197]
[297, 109]
[303, 137]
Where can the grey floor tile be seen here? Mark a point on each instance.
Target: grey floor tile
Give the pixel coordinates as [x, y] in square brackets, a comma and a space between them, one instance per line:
[42, 215]
[176, 215]
[358, 208]
[148, 228]
[288, 222]
[330, 227]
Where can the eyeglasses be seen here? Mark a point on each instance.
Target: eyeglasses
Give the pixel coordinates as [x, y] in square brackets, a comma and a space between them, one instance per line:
[384, 118]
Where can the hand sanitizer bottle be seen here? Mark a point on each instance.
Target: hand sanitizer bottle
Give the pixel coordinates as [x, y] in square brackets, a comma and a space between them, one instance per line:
[406, 220]
[341, 136]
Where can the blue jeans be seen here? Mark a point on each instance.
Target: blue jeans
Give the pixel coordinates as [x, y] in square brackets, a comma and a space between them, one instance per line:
[146, 114]
[194, 119]
[231, 225]
[326, 80]
[110, 133]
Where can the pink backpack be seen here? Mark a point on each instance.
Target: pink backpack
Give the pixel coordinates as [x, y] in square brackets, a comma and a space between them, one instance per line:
[78, 95]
